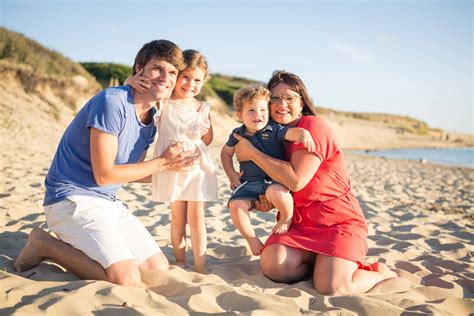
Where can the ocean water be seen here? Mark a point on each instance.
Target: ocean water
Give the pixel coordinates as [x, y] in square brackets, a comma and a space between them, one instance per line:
[449, 156]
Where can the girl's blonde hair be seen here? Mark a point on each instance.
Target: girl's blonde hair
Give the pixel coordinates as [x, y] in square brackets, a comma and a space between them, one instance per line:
[194, 59]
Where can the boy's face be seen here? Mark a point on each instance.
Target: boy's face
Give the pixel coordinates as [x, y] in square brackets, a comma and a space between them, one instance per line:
[162, 76]
[254, 114]
[189, 83]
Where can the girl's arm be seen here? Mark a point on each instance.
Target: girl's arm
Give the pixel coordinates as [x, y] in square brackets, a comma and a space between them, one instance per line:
[227, 153]
[209, 136]
[295, 174]
[138, 82]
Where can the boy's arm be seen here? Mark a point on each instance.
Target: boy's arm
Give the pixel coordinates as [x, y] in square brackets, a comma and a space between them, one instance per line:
[300, 135]
[227, 153]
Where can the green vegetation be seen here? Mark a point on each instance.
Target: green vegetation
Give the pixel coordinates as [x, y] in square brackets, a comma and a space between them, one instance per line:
[18, 49]
[225, 86]
[35, 64]
[107, 73]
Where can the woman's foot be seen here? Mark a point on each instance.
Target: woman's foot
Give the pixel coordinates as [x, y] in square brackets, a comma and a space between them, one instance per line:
[255, 245]
[383, 270]
[30, 256]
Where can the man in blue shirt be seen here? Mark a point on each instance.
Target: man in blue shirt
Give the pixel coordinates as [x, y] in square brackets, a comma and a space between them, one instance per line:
[102, 148]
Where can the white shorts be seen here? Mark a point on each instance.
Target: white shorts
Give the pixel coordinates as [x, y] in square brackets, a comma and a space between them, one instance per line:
[104, 230]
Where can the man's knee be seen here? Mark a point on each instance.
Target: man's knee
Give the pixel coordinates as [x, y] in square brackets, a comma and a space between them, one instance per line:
[125, 273]
[156, 262]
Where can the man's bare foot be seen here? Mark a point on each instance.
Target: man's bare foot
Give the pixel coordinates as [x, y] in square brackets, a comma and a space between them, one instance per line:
[383, 270]
[30, 256]
[281, 226]
[255, 245]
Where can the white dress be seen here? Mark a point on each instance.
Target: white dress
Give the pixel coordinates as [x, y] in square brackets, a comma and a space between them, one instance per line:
[180, 123]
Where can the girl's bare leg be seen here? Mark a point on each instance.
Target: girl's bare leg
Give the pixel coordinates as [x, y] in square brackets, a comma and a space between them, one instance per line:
[197, 227]
[339, 276]
[239, 211]
[178, 231]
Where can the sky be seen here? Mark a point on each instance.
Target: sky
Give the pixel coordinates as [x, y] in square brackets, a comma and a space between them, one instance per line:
[411, 58]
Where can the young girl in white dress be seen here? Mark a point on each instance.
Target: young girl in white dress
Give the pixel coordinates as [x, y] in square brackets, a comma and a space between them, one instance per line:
[186, 120]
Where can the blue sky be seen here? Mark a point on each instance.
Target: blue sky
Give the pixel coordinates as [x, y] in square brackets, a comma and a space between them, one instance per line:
[402, 57]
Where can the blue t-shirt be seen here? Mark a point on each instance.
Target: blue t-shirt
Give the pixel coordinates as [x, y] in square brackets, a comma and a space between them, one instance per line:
[111, 111]
[270, 140]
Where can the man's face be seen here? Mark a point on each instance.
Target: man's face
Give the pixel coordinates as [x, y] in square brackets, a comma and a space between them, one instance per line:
[162, 76]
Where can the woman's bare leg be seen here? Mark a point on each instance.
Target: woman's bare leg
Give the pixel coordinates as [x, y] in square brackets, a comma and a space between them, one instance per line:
[339, 276]
[178, 231]
[281, 263]
[197, 227]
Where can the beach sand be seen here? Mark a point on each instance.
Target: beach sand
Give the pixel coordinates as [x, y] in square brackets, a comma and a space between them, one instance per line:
[420, 224]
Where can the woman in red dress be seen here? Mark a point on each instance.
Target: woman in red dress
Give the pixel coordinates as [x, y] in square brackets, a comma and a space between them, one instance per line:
[328, 233]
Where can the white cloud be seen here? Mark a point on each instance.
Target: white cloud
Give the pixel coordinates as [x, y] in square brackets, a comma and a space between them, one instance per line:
[355, 53]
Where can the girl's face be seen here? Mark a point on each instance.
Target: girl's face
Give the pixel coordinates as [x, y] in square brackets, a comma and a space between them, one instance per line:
[285, 105]
[189, 83]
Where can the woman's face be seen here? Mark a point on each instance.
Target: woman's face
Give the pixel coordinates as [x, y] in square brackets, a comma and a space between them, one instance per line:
[285, 105]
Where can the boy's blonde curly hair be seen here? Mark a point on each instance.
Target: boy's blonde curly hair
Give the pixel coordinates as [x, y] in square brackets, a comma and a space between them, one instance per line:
[249, 93]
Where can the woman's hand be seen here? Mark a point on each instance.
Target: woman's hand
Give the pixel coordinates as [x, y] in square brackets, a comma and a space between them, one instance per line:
[244, 149]
[262, 204]
[138, 82]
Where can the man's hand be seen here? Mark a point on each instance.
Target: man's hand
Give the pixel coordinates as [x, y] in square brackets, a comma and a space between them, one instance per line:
[177, 159]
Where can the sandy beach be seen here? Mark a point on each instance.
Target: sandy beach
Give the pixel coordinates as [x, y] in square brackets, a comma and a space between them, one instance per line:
[420, 224]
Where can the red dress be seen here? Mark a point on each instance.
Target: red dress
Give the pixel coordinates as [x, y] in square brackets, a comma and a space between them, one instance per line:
[327, 217]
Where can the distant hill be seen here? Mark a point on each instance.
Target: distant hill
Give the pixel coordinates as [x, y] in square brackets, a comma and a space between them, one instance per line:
[20, 50]
[41, 90]
[108, 74]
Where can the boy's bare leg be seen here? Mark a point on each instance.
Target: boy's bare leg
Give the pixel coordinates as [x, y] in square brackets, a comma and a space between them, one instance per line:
[281, 198]
[239, 211]
[41, 246]
[197, 227]
[178, 231]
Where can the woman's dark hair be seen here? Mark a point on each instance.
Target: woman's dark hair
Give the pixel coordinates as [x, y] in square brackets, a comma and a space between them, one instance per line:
[296, 84]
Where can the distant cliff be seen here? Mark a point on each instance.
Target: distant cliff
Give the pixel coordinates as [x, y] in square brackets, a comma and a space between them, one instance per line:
[41, 90]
